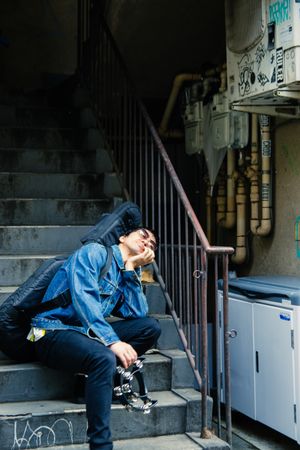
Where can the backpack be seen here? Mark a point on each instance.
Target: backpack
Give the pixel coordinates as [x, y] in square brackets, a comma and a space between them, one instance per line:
[18, 309]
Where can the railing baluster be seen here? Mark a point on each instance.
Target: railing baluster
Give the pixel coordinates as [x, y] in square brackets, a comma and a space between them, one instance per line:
[204, 431]
[153, 187]
[226, 350]
[217, 345]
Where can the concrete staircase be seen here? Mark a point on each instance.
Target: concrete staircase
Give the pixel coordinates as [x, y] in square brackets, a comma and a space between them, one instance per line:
[56, 179]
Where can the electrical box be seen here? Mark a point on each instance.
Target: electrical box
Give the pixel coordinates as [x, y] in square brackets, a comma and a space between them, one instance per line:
[263, 52]
[229, 128]
[193, 118]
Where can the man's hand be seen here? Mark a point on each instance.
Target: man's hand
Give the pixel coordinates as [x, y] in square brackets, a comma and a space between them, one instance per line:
[126, 354]
[142, 259]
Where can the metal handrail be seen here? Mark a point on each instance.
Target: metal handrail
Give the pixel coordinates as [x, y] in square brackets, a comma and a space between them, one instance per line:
[148, 178]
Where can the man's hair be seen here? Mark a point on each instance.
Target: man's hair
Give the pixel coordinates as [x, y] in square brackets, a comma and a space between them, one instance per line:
[146, 228]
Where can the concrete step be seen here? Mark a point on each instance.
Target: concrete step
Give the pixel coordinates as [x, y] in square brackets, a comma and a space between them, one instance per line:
[14, 270]
[27, 382]
[48, 138]
[188, 441]
[43, 239]
[32, 381]
[6, 291]
[38, 211]
[37, 116]
[50, 185]
[47, 161]
[155, 296]
[169, 442]
[55, 160]
[63, 423]
[169, 338]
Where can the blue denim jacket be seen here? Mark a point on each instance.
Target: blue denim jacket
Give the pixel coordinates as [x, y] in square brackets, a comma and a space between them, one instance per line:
[93, 299]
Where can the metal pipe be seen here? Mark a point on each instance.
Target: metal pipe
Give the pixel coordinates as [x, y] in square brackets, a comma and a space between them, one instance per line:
[217, 346]
[227, 351]
[177, 83]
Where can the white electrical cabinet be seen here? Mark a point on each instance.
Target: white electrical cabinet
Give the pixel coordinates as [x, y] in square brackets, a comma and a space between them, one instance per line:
[264, 355]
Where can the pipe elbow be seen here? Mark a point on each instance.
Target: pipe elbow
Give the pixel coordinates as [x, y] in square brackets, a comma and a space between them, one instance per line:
[229, 221]
[254, 224]
[240, 255]
[181, 77]
[164, 133]
[265, 228]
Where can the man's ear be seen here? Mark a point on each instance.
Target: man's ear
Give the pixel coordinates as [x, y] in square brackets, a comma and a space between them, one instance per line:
[121, 238]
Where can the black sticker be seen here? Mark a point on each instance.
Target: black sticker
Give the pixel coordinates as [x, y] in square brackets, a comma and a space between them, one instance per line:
[279, 65]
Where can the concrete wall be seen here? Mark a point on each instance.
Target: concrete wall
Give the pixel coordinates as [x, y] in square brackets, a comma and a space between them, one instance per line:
[42, 38]
[278, 254]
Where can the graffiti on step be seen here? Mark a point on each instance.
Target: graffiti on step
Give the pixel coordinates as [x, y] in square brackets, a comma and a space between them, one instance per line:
[43, 435]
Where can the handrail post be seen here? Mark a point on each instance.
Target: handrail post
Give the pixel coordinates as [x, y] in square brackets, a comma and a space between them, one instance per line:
[226, 350]
[205, 433]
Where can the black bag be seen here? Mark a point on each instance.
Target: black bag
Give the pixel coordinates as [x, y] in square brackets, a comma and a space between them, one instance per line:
[107, 231]
[25, 302]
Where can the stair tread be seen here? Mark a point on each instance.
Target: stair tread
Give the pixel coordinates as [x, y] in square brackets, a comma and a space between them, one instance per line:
[29, 256]
[28, 127]
[13, 365]
[17, 227]
[46, 149]
[103, 199]
[49, 407]
[167, 442]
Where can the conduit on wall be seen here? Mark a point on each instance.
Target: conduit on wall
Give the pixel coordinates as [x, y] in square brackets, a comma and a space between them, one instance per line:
[177, 83]
[208, 199]
[261, 202]
[226, 209]
[241, 199]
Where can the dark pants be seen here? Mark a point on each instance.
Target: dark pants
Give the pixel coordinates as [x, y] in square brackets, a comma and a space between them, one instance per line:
[73, 351]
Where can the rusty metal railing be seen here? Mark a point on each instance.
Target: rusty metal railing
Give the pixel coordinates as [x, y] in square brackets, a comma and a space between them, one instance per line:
[148, 177]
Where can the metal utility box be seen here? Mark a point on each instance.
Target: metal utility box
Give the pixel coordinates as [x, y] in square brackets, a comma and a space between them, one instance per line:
[263, 51]
[265, 354]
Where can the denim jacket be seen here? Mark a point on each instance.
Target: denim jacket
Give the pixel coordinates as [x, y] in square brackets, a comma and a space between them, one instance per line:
[93, 299]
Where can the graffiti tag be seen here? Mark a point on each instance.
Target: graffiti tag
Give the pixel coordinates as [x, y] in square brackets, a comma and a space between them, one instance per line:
[42, 436]
[279, 11]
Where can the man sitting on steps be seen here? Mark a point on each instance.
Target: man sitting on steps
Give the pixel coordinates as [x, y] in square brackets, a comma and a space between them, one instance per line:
[77, 337]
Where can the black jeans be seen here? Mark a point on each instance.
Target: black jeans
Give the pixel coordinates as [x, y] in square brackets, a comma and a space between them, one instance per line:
[75, 352]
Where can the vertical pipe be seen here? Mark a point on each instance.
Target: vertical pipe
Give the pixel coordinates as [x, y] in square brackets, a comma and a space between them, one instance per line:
[79, 34]
[165, 227]
[172, 224]
[159, 208]
[146, 165]
[180, 285]
[153, 189]
[187, 277]
[195, 350]
[226, 351]
[140, 163]
[134, 172]
[217, 339]
[205, 433]
[130, 147]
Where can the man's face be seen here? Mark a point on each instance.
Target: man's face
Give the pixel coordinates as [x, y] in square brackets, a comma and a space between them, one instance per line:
[139, 240]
